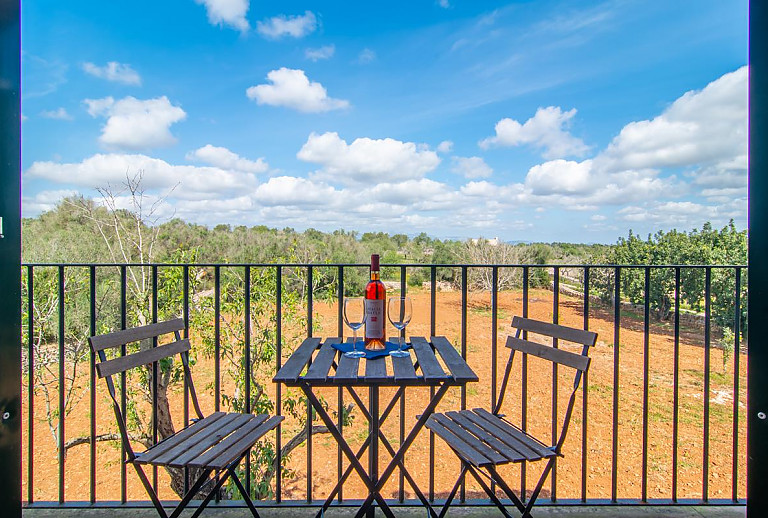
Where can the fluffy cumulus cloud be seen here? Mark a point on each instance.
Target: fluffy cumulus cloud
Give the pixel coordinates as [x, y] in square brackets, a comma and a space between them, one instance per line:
[559, 177]
[471, 167]
[324, 52]
[701, 128]
[367, 160]
[292, 191]
[134, 124]
[114, 71]
[44, 201]
[225, 159]
[546, 130]
[101, 170]
[294, 26]
[293, 89]
[227, 12]
[58, 114]
[446, 146]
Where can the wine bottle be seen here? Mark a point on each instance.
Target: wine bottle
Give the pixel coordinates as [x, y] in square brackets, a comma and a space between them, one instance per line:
[375, 303]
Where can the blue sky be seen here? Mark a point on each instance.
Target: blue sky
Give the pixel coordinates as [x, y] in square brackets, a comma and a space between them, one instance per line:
[535, 121]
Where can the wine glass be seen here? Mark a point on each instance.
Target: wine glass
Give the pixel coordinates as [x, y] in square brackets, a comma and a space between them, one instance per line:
[354, 317]
[399, 310]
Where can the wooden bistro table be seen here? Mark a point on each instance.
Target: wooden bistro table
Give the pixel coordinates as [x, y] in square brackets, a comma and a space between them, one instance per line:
[327, 367]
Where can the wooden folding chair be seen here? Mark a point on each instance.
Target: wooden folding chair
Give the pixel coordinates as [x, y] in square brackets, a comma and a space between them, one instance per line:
[485, 440]
[209, 445]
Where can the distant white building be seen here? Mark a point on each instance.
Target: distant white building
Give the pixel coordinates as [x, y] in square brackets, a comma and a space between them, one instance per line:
[493, 242]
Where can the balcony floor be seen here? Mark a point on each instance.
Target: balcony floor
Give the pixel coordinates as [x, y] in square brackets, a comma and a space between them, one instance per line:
[710, 511]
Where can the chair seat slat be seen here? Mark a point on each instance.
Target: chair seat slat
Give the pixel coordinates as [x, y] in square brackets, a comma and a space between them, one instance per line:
[468, 453]
[236, 450]
[492, 422]
[212, 455]
[476, 444]
[181, 437]
[510, 454]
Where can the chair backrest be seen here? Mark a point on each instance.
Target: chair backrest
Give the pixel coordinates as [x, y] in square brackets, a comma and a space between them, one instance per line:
[101, 343]
[579, 362]
[106, 368]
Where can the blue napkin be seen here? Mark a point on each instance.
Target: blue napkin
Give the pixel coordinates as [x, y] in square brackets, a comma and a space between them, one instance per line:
[388, 347]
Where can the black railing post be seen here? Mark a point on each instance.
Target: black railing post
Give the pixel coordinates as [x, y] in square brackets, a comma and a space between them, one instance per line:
[30, 384]
[92, 384]
[62, 402]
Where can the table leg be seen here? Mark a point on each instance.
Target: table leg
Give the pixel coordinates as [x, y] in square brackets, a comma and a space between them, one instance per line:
[373, 433]
[373, 491]
[375, 494]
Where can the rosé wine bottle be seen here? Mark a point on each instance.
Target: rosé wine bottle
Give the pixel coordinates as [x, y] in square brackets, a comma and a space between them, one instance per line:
[375, 305]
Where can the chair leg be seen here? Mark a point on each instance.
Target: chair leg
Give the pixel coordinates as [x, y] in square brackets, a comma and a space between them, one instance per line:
[150, 491]
[537, 490]
[452, 494]
[219, 483]
[191, 493]
[243, 492]
[488, 491]
[507, 490]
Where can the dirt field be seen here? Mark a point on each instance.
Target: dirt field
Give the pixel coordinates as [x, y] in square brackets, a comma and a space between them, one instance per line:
[599, 418]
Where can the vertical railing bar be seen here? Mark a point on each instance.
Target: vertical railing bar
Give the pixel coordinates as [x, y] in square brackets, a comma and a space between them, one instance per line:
[707, 370]
[310, 290]
[646, 374]
[92, 383]
[217, 338]
[123, 380]
[62, 409]
[736, 347]
[494, 340]
[217, 349]
[340, 392]
[155, 372]
[616, 337]
[524, 385]
[278, 387]
[401, 481]
[584, 399]
[31, 384]
[247, 363]
[464, 294]
[555, 320]
[185, 316]
[432, 328]
[676, 387]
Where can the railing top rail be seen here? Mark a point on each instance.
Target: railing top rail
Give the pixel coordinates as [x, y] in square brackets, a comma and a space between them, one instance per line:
[392, 265]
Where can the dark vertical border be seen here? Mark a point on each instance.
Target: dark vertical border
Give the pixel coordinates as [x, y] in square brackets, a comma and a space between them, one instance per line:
[757, 396]
[10, 258]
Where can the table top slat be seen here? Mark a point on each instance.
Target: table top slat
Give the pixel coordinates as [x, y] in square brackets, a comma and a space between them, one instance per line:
[402, 367]
[376, 369]
[320, 368]
[458, 365]
[347, 369]
[428, 363]
[291, 371]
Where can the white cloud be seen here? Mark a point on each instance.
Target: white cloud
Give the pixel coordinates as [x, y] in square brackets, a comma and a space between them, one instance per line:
[559, 177]
[367, 160]
[366, 56]
[546, 130]
[292, 89]
[44, 201]
[292, 191]
[59, 114]
[294, 26]
[227, 12]
[101, 170]
[707, 127]
[324, 52]
[446, 146]
[134, 124]
[225, 159]
[472, 167]
[114, 71]
[445, 4]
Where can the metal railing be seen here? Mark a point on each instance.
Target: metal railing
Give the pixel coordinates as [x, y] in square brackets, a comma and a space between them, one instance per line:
[58, 297]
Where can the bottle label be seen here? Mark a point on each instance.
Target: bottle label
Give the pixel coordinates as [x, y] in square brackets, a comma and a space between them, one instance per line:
[374, 318]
